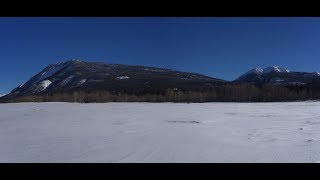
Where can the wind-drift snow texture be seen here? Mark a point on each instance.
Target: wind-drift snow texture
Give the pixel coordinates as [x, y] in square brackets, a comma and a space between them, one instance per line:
[163, 132]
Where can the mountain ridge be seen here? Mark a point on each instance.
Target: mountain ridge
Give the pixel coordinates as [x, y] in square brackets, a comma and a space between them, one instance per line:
[82, 81]
[74, 75]
[278, 76]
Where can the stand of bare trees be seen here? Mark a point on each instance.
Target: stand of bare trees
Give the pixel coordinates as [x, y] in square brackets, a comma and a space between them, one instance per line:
[227, 93]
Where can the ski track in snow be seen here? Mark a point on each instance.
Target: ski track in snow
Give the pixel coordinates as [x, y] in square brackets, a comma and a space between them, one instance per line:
[160, 132]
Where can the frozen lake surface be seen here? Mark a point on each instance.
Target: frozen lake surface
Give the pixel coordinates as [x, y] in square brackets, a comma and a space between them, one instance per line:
[160, 132]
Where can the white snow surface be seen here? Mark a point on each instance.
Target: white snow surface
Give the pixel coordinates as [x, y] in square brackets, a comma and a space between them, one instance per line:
[160, 132]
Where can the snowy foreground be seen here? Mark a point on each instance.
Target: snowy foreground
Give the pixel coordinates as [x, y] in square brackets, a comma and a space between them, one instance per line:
[160, 132]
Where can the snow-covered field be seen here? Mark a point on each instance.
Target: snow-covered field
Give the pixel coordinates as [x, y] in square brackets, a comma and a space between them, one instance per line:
[160, 132]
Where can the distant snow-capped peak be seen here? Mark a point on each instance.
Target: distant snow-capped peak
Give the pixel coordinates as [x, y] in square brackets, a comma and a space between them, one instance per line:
[254, 71]
[76, 60]
[267, 70]
[257, 70]
[275, 69]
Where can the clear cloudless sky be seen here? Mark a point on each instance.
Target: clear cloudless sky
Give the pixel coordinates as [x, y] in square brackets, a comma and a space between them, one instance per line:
[218, 47]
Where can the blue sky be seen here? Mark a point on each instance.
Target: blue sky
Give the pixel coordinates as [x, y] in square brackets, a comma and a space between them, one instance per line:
[218, 47]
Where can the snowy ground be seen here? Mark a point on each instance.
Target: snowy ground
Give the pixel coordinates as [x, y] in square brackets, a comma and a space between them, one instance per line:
[160, 132]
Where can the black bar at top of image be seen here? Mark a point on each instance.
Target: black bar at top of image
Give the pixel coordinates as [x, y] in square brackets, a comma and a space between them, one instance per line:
[159, 9]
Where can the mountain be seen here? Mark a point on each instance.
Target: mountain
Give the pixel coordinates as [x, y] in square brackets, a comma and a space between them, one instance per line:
[76, 75]
[278, 76]
[85, 82]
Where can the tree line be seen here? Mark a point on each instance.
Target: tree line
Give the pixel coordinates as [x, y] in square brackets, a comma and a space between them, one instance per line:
[228, 93]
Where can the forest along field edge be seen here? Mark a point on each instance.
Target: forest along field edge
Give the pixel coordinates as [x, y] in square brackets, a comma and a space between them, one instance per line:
[226, 93]
[160, 132]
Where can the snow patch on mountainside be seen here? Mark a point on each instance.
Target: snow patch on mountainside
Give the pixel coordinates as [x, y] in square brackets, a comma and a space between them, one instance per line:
[67, 80]
[51, 70]
[254, 71]
[122, 77]
[44, 84]
[76, 60]
[276, 80]
[154, 70]
[81, 82]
